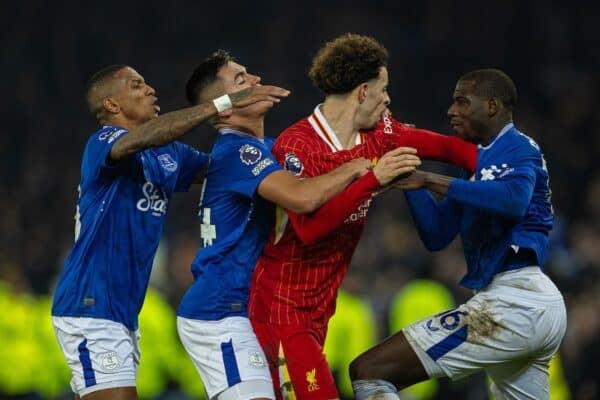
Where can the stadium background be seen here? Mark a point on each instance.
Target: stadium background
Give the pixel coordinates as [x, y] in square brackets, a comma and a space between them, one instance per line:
[49, 49]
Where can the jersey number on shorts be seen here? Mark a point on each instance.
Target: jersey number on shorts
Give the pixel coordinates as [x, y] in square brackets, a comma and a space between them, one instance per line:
[452, 322]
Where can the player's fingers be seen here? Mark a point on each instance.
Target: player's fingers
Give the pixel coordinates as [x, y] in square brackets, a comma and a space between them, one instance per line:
[405, 170]
[402, 150]
[398, 163]
[271, 91]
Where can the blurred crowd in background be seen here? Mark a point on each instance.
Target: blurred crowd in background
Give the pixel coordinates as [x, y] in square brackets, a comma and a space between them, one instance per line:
[50, 49]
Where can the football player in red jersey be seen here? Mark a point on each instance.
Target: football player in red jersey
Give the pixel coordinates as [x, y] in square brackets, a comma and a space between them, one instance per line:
[295, 281]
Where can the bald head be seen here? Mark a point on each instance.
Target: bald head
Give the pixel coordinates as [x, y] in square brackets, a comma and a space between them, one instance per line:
[100, 86]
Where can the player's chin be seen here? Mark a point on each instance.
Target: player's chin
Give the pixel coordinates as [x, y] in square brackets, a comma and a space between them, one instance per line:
[263, 106]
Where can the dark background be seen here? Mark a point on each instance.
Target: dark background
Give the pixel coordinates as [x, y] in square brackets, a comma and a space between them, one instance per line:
[50, 49]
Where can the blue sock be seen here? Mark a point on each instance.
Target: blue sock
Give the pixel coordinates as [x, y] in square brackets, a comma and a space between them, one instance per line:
[374, 389]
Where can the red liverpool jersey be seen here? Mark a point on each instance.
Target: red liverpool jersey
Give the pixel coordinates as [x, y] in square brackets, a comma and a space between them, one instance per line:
[296, 279]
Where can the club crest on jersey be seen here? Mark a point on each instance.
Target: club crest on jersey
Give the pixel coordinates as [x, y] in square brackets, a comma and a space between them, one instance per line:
[249, 154]
[167, 162]
[293, 164]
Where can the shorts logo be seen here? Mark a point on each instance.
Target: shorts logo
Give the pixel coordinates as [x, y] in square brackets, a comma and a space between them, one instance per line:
[249, 154]
[110, 361]
[311, 378]
[293, 164]
[167, 162]
[255, 360]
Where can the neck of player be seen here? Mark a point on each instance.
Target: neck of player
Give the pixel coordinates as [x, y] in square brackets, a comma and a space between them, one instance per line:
[340, 113]
[251, 126]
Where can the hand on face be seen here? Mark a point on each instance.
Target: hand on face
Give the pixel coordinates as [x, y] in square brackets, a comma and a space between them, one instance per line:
[257, 93]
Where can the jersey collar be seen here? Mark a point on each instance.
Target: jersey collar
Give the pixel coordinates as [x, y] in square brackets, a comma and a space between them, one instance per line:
[229, 131]
[506, 128]
[324, 131]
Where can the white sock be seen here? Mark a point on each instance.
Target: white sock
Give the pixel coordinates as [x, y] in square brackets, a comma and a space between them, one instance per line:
[374, 389]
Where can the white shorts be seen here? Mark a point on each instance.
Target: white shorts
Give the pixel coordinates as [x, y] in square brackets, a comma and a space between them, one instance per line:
[512, 328]
[228, 357]
[102, 354]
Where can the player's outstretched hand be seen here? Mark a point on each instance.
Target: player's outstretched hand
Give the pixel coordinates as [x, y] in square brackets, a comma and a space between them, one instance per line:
[258, 93]
[401, 160]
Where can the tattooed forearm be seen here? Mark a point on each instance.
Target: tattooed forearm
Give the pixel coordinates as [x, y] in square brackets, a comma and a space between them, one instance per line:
[171, 126]
[161, 130]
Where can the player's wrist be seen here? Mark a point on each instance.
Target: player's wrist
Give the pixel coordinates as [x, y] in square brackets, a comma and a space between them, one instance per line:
[222, 103]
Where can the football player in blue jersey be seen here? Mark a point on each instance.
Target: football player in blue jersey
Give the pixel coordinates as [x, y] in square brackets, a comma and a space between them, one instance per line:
[129, 170]
[515, 321]
[242, 183]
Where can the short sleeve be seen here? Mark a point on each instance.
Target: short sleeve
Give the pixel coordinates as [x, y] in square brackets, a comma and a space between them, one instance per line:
[95, 158]
[247, 165]
[293, 153]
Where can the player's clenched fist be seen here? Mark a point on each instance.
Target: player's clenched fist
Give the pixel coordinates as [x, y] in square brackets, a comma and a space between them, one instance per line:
[399, 161]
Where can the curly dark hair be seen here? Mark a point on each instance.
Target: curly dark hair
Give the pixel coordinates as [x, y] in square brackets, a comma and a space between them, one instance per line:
[493, 83]
[346, 62]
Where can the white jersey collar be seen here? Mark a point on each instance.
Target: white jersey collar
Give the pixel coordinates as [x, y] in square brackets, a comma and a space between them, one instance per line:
[321, 126]
[506, 128]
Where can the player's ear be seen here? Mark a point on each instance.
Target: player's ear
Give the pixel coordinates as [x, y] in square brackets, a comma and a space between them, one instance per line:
[111, 105]
[362, 92]
[494, 106]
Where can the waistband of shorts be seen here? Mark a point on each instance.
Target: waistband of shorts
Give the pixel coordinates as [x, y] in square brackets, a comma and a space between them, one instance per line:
[526, 282]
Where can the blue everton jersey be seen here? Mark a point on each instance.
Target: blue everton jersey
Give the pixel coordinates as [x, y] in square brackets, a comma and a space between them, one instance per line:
[234, 225]
[504, 212]
[119, 222]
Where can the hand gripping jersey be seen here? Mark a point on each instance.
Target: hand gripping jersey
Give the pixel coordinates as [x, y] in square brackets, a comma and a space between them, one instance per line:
[235, 224]
[502, 214]
[119, 222]
[304, 261]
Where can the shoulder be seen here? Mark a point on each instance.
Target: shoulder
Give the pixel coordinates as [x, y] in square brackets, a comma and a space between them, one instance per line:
[248, 150]
[299, 134]
[519, 143]
[387, 125]
[107, 134]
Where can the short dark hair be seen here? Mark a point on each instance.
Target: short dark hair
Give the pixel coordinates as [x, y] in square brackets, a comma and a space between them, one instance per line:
[205, 74]
[346, 62]
[493, 83]
[98, 80]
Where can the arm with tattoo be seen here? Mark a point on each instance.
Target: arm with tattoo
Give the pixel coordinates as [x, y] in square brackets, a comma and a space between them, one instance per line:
[171, 126]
